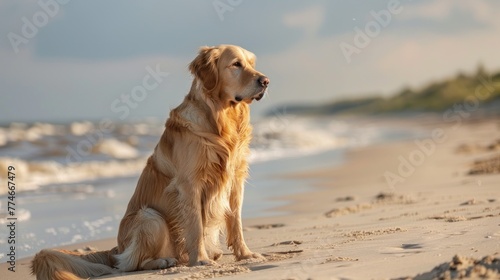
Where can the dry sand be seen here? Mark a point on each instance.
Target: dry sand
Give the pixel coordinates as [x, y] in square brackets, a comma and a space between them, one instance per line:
[440, 222]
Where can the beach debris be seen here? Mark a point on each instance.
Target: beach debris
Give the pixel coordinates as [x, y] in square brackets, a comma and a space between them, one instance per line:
[452, 219]
[290, 242]
[411, 246]
[480, 217]
[486, 166]
[380, 199]
[279, 256]
[347, 210]
[462, 267]
[449, 219]
[268, 226]
[469, 202]
[392, 198]
[495, 146]
[345, 198]
[284, 252]
[385, 196]
[339, 259]
[363, 234]
[407, 214]
[468, 148]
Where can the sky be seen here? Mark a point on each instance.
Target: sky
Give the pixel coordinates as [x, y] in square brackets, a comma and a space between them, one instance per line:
[67, 60]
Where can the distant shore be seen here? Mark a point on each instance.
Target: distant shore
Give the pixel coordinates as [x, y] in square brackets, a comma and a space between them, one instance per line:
[393, 210]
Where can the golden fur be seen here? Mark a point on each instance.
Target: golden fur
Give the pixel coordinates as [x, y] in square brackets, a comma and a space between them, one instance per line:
[192, 185]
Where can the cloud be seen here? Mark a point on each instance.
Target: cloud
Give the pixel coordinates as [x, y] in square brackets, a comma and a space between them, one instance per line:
[444, 10]
[309, 19]
[428, 57]
[436, 10]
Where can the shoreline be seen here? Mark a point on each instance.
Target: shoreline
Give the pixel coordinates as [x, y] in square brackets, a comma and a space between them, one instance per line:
[350, 223]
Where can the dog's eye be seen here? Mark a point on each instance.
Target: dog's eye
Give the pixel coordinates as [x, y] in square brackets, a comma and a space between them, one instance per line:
[237, 64]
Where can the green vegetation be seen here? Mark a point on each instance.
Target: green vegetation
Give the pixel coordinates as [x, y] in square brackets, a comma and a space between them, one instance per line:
[481, 88]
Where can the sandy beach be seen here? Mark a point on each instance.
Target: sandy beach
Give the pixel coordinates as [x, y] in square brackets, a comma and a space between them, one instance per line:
[402, 210]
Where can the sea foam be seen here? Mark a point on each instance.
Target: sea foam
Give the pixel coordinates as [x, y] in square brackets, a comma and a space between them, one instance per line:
[45, 154]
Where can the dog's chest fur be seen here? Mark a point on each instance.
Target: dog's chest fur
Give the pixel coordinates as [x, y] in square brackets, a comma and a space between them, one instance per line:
[217, 149]
[233, 136]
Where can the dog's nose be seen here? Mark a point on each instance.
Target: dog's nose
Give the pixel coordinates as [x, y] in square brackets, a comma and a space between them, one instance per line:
[264, 81]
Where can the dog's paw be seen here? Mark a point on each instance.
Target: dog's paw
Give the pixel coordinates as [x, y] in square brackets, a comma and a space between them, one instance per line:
[159, 264]
[207, 262]
[249, 256]
[215, 254]
[169, 262]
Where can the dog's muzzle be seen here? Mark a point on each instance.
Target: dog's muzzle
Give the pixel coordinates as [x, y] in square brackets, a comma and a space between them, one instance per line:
[260, 96]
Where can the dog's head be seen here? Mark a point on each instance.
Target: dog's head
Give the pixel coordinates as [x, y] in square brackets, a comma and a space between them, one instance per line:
[227, 73]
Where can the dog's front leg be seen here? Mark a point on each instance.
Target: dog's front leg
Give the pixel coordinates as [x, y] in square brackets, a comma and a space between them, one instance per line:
[235, 239]
[190, 219]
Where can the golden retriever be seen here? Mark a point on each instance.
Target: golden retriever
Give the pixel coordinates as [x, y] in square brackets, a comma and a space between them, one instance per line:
[192, 185]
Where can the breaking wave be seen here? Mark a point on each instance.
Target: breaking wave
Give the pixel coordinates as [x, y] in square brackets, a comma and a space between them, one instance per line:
[45, 154]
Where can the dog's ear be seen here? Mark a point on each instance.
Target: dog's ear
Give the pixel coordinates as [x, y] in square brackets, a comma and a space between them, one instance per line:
[250, 58]
[204, 67]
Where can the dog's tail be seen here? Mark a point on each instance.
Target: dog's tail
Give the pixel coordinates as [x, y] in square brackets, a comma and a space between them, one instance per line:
[68, 265]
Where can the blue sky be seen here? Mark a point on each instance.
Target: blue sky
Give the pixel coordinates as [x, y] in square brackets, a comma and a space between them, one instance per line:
[86, 55]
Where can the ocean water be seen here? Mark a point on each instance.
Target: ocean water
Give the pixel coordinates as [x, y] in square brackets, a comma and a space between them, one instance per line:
[73, 181]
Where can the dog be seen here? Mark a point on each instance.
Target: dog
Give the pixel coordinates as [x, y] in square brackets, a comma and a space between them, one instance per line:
[191, 188]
